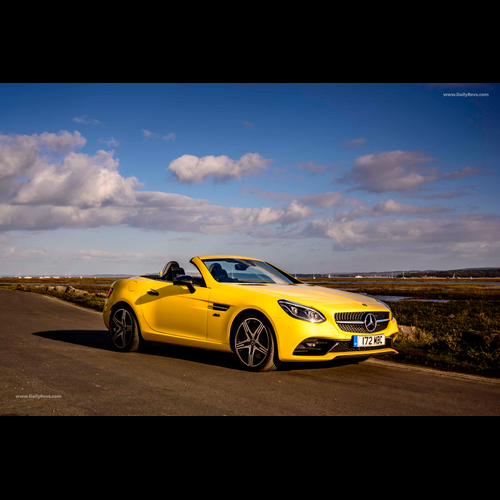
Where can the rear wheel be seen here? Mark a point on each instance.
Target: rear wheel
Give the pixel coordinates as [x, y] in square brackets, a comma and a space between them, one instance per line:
[254, 343]
[124, 330]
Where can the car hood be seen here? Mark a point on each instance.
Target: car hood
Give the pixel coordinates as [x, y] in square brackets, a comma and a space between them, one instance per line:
[311, 295]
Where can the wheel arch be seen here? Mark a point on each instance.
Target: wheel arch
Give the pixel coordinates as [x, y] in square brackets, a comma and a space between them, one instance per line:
[129, 306]
[234, 322]
[120, 303]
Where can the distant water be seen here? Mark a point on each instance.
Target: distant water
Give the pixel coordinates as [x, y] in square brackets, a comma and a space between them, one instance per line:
[397, 298]
[405, 282]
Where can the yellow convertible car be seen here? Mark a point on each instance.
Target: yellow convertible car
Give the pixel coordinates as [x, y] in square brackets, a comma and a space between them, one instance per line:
[249, 307]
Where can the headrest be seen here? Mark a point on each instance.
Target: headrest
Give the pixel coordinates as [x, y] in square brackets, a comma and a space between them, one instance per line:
[219, 272]
[177, 271]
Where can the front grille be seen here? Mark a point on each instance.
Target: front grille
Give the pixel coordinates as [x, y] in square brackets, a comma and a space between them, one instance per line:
[354, 322]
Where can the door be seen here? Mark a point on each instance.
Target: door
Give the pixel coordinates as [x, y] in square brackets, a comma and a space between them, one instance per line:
[176, 311]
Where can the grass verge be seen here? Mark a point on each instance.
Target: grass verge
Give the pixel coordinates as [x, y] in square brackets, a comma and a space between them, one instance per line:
[461, 335]
[85, 296]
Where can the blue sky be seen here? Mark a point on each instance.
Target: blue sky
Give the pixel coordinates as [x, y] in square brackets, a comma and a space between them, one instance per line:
[120, 178]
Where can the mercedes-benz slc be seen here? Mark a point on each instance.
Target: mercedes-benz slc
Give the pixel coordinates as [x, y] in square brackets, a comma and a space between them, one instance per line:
[249, 307]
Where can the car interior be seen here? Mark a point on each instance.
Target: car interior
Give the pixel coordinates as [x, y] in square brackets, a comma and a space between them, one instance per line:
[171, 270]
[218, 273]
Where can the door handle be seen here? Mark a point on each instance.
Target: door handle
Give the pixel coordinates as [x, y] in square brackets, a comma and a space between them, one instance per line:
[152, 292]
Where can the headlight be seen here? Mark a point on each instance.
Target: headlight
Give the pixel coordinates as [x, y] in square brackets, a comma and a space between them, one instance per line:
[301, 312]
[390, 310]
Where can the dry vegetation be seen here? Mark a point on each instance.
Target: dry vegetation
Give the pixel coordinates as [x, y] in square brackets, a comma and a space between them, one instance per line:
[462, 334]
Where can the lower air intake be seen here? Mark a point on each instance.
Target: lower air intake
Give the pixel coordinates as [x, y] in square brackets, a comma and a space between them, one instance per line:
[320, 347]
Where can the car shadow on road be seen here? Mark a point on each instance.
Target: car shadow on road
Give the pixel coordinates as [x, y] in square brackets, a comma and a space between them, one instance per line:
[90, 338]
[99, 339]
[193, 354]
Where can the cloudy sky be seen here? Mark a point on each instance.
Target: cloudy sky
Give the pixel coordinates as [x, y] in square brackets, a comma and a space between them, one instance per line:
[311, 177]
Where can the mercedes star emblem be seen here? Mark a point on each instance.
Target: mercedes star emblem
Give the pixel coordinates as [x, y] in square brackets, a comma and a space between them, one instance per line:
[370, 322]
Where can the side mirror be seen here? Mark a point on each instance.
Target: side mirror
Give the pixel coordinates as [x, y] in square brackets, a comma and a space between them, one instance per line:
[185, 280]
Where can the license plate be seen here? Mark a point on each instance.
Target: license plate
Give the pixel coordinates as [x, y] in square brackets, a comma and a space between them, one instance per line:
[368, 340]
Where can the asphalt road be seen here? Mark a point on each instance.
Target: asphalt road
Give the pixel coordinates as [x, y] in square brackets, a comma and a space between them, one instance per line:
[56, 359]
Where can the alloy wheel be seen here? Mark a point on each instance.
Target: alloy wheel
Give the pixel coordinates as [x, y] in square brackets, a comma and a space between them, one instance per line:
[252, 342]
[121, 328]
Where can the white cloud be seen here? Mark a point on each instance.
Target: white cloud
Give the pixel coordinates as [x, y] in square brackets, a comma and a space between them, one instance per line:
[103, 256]
[385, 208]
[22, 147]
[474, 250]
[191, 169]
[225, 221]
[460, 174]
[271, 195]
[439, 195]
[399, 171]
[311, 167]
[40, 191]
[247, 124]
[391, 207]
[109, 142]
[355, 142]
[295, 212]
[80, 181]
[457, 234]
[20, 155]
[328, 200]
[169, 137]
[88, 191]
[17, 156]
[63, 141]
[84, 120]
[392, 170]
[153, 135]
[14, 253]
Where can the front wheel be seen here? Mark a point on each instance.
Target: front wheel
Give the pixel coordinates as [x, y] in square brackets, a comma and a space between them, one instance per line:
[124, 330]
[254, 343]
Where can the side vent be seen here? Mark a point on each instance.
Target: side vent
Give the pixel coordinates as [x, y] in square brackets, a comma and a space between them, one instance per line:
[220, 307]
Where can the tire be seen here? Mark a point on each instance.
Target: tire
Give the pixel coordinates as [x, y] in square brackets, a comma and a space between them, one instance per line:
[254, 343]
[124, 330]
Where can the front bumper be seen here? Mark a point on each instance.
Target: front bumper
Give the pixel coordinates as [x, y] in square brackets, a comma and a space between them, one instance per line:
[303, 341]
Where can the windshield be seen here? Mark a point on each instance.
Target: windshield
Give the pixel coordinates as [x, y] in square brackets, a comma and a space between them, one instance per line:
[244, 271]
